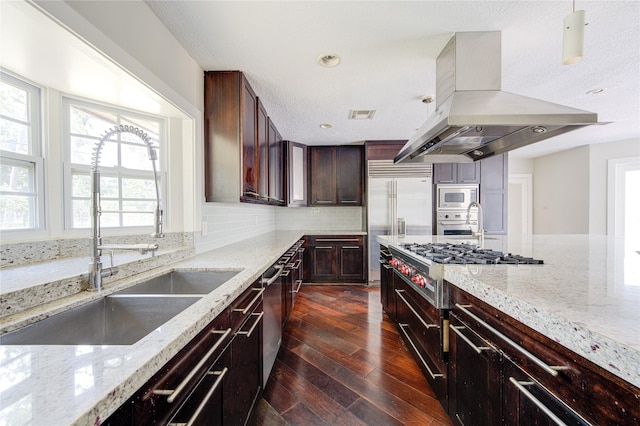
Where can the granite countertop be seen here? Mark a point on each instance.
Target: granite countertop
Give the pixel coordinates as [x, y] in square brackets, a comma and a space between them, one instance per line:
[586, 296]
[81, 385]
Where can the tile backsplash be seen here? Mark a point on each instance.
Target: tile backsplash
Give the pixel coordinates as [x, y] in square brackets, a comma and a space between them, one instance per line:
[320, 219]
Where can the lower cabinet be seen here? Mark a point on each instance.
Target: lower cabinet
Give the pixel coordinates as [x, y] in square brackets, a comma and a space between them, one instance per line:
[335, 258]
[214, 379]
[292, 278]
[501, 369]
[387, 287]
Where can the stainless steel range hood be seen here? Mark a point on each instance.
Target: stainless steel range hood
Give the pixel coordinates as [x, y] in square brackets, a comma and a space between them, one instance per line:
[474, 119]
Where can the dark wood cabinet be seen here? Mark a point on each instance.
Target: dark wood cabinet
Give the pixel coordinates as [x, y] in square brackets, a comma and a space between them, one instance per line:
[336, 175]
[296, 174]
[262, 146]
[539, 379]
[335, 258]
[421, 326]
[456, 173]
[387, 287]
[475, 377]
[292, 278]
[276, 166]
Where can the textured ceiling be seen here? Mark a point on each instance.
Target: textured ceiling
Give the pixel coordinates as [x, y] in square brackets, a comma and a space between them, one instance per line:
[388, 52]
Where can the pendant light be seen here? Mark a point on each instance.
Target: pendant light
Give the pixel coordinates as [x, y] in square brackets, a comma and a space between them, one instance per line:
[573, 37]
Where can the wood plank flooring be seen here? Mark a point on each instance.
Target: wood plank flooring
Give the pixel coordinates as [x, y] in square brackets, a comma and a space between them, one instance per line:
[342, 362]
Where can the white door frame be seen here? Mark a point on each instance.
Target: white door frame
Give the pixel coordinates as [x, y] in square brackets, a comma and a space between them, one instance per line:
[616, 167]
[525, 181]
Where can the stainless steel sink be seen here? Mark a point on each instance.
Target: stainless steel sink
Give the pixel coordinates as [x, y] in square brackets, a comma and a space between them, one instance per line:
[124, 317]
[182, 282]
[112, 320]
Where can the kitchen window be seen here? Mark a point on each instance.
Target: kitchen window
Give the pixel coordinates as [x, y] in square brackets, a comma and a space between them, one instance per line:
[21, 162]
[126, 173]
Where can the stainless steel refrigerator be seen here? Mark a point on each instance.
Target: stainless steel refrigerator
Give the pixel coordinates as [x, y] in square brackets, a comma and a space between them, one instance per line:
[391, 200]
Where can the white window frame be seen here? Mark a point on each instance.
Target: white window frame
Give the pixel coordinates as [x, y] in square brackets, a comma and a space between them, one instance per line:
[34, 158]
[120, 172]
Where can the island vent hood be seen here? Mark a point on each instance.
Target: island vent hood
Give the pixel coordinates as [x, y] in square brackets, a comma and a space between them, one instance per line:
[474, 119]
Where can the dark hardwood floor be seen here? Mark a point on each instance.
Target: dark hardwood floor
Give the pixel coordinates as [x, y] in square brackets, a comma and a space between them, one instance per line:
[342, 362]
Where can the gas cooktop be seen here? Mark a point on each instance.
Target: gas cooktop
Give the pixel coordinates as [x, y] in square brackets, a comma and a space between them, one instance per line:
[466, 254]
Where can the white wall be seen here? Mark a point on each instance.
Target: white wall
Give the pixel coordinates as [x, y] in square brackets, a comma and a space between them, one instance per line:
[561, 192]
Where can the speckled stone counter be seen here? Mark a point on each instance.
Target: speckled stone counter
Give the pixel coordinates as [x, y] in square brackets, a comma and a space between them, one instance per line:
[586, 296]
[83, 385]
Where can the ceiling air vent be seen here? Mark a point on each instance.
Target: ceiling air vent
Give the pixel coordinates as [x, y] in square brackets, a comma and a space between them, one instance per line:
[361, 114]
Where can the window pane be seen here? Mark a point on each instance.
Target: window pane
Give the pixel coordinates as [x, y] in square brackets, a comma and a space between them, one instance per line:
[109, 187]
[84, 122]
[16, 178]
[81, 213]
[15, 211]
[81, 150]
[80, 185]
[136, 157]
[14, 102]
[141, 219]
[110, 219]
[138, 188]
[14, 137]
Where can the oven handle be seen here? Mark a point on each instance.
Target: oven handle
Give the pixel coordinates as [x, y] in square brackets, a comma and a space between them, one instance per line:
[406, 302]
[553, 370]
[431, 373]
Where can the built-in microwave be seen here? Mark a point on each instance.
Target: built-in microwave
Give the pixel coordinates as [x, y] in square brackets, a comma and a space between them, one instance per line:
[456, 196]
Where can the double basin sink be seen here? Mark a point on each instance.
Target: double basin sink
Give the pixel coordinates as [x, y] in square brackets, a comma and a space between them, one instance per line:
[124, 317]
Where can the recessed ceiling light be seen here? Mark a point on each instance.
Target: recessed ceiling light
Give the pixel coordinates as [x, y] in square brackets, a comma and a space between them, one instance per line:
[329, 60]
[325, 126]
[595, 91]
[361, 114]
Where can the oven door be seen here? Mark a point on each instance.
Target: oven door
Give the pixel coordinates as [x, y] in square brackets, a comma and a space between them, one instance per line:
[456, 196]
[452, 222]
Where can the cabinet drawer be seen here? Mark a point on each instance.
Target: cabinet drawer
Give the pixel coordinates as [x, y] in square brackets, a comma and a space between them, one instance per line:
[335, 239]
[245, 305]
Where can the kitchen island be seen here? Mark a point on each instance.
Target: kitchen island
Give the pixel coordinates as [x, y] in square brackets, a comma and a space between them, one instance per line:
[579, 297]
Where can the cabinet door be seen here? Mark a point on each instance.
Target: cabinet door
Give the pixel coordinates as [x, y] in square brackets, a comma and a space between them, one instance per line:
[468, 172]
[475, 377]
[352, 264]
[263, 153]
[493, 193]
[349, 175]
[444, 173]
[276, 166]
[322, 175]
[248, 109]
[323, 262]
[296, 174]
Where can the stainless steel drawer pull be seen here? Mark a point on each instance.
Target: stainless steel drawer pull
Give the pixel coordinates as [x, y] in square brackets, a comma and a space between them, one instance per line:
[205, 400]
[246, 310]
[324, 247]
[339, 240]
[431, 373]
[299, 282]
[478, 349]
[323, 202]
[296, 265]
[406, 302]
[285, 273]
[553, 370]
[536, 401]
[351, 247]
[195, 369]
[253, 194]
[255, 324]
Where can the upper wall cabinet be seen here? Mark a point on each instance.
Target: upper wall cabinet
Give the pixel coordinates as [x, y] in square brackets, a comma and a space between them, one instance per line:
[336, 175]
[456, 173]
[296, 174]
[237, 146]
[276, 166]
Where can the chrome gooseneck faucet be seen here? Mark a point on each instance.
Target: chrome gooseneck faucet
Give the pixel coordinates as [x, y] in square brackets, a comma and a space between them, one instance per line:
[96, 272]
[480, 233]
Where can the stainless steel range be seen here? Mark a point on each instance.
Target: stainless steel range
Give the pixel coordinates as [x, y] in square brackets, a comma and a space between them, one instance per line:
[423, 265]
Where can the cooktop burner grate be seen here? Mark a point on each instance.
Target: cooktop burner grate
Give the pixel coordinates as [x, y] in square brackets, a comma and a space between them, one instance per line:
[467, 254]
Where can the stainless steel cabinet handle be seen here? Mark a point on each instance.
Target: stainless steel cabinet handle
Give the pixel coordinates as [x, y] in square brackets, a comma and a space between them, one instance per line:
[406, 302]
[553, 370]
[286, 273]
[352, 247]
[296, 265]
[174, 394]
[323, 247]
[253, 194]
[349, 201]
[431, 373]
[207, 397]
[340, 240]
[521, 387]
[299, 282]
[478, 349]
[255, 324]
[246, 310]
[385, 253]
[323, 202]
